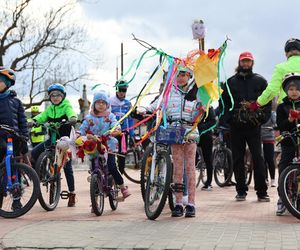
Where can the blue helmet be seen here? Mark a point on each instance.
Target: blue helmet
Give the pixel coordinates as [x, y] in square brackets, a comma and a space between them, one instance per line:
[58, 87]
[9, 76]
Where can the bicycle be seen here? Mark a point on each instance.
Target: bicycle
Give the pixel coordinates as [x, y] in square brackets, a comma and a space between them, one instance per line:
[158, 176]
[221, 163]
[19, 183]
[102, 183]
[48, 168]
[289, 179]
[133, 157]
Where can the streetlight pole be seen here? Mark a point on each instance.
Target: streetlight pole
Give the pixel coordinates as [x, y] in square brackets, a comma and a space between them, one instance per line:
[122, 59]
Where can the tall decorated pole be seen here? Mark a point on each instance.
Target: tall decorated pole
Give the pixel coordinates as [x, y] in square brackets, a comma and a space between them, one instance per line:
[199, 33]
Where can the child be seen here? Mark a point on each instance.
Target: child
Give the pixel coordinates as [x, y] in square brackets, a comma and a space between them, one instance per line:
[181, 111]
[59, 110]
[287, 120]
[12, 114]
[99, 122]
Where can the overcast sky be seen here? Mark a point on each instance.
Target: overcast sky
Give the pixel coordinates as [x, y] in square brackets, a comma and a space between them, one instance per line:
[258, 26]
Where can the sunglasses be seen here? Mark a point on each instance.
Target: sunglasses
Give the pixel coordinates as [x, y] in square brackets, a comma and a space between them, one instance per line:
[122, 90]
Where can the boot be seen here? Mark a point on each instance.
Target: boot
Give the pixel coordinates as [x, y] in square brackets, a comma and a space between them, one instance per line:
[71, 202]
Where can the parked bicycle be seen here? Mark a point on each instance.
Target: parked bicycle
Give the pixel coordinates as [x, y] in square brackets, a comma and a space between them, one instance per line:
[19, 183]
[48, 167]
[289, 179]
[222, 162]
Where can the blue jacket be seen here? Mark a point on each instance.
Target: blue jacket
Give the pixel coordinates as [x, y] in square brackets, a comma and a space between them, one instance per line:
[12, 113]
[120, 108]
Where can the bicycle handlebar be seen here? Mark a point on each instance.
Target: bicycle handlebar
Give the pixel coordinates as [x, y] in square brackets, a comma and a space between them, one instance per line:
[11, 131]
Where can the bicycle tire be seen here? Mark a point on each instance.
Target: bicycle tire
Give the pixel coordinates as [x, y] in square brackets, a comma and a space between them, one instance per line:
[29, 182]
[160, 186]
[50, 182]
[113, 194]
[248, 167]
[289, 185]
[136, 167]
[145, 166]
[97, 194]
[223, 171]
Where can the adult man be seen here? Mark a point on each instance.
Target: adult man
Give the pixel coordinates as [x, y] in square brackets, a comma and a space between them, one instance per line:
[292, 65]
[245, 87]
[120, 106]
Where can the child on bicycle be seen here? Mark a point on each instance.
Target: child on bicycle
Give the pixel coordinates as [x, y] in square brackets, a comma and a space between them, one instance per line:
[12, 114]
[288, 115]
[119, 107]
[60, 110]
[98, 122]
[181, 111]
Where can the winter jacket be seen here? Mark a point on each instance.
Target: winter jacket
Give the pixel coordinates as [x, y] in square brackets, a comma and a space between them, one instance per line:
[292, 65]
[180, 110]
[207, 122]
[119, 108]
[58, 113]
[243, 88]
[267, 129]
[99, 125]
[12, 113]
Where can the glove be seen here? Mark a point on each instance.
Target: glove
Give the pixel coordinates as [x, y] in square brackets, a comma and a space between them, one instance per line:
[73, 120]
[32, 123]
[253, 106]
[294, 114]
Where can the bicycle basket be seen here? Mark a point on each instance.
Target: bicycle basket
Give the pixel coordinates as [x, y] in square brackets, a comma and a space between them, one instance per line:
[170, 135]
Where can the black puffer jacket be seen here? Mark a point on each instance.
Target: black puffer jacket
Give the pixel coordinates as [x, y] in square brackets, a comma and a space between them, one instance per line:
[243, 88]
[12, 114]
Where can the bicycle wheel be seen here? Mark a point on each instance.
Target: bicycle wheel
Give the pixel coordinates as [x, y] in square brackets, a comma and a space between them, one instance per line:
[24, 192]
[158, 189]
[97, 194]
[50, 182]
[248, 167]
[222, 165]
[145, 167]
[113, 194]
[289, 189]
[137, 156]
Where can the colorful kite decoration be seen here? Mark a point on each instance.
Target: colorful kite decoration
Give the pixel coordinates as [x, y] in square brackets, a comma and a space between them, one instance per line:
[204, 67]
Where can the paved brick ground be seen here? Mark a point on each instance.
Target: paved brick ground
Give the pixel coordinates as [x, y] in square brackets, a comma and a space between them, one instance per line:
[221, 223]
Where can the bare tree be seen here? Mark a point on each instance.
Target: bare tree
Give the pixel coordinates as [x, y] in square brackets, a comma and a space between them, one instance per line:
[42, 49]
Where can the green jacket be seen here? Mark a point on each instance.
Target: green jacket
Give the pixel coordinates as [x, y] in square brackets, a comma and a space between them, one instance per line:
[57, 113]
[274, 88]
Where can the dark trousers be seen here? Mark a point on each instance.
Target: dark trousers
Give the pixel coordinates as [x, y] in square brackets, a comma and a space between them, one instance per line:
[268, 149]
[112, 169]
[206, 144]
[68, 169]
[239, 138]
[121, 160]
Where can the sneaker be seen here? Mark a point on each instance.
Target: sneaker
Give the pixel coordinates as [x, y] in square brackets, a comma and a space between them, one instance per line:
[190, 211]
[240, 197]
[231, 183]
[263, 198]
[281, 209]
[125, 192]
[178, 211]
[185, 200]
[207, 188]
[16, 205]
[273, 183]
[72, 201]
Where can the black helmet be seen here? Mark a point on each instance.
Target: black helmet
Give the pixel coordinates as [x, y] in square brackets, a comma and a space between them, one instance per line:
[292, 44]
[289, 78]
[121, 85]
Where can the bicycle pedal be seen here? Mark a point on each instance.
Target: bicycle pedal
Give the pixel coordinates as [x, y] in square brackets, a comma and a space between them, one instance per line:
[64, 195]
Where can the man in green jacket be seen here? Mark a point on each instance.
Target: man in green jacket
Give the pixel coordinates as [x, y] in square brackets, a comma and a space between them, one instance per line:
[292, 65]
[59, 110]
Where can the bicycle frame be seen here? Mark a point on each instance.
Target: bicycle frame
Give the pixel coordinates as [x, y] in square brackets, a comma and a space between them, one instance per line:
[101, 170]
